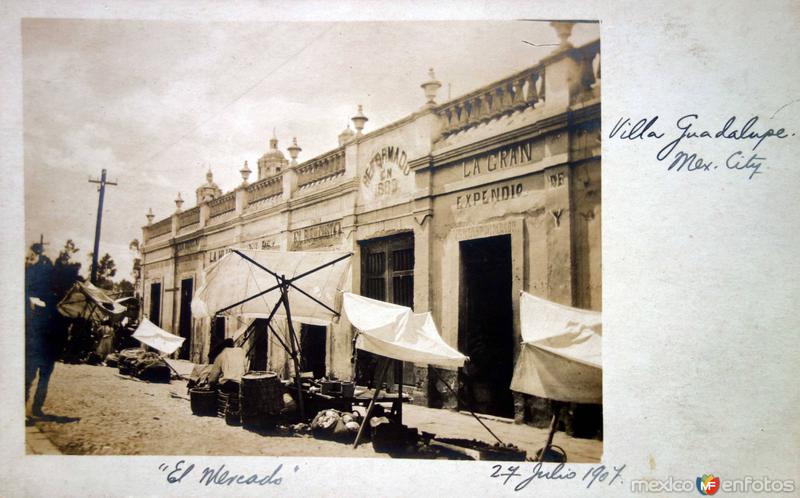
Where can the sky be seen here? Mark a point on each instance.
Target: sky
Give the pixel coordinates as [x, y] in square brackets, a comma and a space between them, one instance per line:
[158, 103]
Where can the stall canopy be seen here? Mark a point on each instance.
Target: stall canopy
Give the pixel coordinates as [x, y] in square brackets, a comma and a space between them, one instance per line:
[560, 358]
[396, 332]
[157, 338]
[84, 300]
[237, 277]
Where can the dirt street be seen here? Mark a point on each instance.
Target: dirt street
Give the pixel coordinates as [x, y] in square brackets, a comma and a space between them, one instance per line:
[94, 410]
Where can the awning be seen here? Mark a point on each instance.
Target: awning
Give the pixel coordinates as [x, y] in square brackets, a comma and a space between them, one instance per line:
[396, 332]
[561, 352]
[233, 278]
[84, 300]
[157, 338]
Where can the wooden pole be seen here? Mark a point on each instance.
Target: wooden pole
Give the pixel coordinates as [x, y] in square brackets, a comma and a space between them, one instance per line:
[556, 407]
[298, 383]
[102, 188]
[400, 391]
[371, 403]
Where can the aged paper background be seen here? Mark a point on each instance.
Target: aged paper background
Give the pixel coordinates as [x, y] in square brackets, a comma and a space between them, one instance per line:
[700, 271]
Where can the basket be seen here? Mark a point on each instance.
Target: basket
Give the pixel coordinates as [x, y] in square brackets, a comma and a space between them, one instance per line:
[228, 408]
[338, 388]
[204, 402]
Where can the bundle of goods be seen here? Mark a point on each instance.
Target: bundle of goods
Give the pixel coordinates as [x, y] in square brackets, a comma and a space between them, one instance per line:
[151, 367]
[336, 425]
[204, 402]
[391, 437]
[146, 366]
[127, 360]
[199, 376]
[261, 399]
[112, 360]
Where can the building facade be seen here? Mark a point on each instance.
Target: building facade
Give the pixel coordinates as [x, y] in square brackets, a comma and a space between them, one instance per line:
[454, 209]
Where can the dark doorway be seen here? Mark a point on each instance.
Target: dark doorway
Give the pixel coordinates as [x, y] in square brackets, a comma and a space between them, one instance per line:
[185, 318]
[312, 349]
[387, 274]
[486, 325]
[155, 303]
[217, 336]
[259, 345]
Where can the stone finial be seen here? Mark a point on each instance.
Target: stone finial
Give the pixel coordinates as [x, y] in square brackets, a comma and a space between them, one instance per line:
[209, 175]
[178, 203]
[294, 150]
[564, 31]
[431, 87]
[245, 172]
[359, 120]
[149, 216]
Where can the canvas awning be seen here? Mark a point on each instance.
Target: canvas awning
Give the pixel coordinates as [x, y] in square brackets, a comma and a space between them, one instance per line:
[157, 338]
[233, 278]
[84, 300]
[561, 352]
[396, 332]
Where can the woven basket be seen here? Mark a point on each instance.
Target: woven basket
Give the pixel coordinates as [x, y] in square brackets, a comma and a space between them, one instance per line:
[204, 402]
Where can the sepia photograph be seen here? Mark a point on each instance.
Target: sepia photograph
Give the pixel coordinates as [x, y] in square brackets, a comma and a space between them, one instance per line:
[373, 239]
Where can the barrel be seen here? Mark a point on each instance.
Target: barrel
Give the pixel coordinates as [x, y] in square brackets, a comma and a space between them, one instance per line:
[260, 398]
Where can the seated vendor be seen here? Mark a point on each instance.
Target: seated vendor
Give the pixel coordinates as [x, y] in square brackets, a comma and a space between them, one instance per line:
[228, 368]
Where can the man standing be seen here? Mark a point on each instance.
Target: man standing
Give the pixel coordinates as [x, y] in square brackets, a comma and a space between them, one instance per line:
[43, 342]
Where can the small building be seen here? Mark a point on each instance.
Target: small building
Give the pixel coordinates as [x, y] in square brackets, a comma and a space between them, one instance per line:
[454, 209]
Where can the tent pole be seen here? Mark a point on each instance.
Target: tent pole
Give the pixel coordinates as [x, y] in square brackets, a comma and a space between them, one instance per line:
[400, 391]
[372, 403]
[298, 383]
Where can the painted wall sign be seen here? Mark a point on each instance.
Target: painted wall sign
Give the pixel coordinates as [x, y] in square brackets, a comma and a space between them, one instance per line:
[187, 245]
[384, 167]
[505, 157]
[262, 244]
[491, 195]
[215, 255]
[316, 234]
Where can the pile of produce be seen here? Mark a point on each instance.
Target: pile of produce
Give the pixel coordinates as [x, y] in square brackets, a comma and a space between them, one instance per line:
[333, 424]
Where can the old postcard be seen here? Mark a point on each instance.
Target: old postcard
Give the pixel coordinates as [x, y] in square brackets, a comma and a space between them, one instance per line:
[374, 248]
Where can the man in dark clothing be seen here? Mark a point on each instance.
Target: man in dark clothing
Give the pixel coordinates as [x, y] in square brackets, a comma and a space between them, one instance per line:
[43, 342]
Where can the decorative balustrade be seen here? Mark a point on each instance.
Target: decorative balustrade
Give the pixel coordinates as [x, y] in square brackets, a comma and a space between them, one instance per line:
[160, 228]
[222, 204]
[321, 168]
[521, 90]
[264, 189]
[189, 217]
[589, 72]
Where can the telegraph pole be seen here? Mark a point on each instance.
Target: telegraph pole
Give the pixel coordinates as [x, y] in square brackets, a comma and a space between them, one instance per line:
[102, 189]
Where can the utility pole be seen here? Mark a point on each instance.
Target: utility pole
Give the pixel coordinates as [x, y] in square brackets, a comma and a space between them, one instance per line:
[102, 189]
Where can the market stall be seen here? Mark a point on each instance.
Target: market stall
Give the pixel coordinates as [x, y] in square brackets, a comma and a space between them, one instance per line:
[295, 285]
[561, 355]
[85, 301]
[90, 333]
[396, 332]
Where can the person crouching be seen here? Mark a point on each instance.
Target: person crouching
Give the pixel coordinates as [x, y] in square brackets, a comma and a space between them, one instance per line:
[228, 368]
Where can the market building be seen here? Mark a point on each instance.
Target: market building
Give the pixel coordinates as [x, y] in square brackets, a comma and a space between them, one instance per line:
[454, 209]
